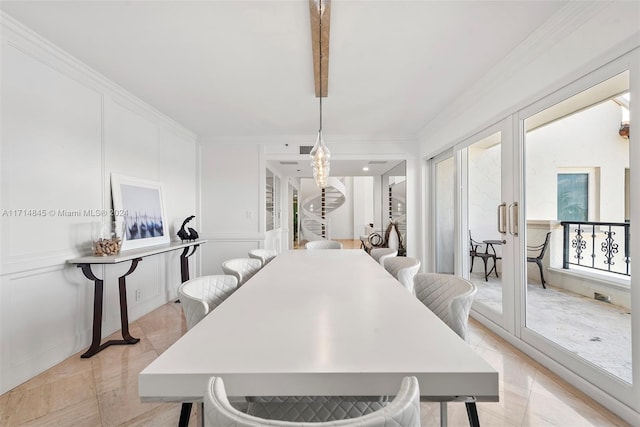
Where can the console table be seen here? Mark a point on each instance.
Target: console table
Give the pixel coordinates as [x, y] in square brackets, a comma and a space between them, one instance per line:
[135, 256]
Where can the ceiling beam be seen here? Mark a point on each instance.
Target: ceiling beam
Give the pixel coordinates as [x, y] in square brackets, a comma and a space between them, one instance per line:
[315, 30]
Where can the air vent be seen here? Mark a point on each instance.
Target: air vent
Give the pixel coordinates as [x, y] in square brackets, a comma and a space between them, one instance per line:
[378, 162]
[305, 149]
[289, 163]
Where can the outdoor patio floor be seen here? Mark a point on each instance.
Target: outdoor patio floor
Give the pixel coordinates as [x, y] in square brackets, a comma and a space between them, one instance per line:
[597, 331]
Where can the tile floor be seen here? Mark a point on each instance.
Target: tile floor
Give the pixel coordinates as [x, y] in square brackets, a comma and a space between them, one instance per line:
[597, 331]
[102, 390]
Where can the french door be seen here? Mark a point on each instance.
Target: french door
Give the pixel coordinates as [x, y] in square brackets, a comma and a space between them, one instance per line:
[489, 220]
[546, 200]
[577, 302]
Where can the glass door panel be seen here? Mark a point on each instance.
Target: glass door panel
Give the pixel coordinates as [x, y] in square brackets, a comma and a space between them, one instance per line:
[484, 197]
[577, 227]
[445, 214]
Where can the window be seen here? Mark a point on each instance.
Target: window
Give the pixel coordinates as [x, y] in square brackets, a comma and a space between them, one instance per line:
[573, 196]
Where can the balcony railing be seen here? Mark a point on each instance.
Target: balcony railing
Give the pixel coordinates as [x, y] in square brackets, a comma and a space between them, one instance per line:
[601, 246]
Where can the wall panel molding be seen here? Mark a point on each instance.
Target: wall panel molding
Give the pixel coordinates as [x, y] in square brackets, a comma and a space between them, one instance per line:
[32, 42]
[58, 117]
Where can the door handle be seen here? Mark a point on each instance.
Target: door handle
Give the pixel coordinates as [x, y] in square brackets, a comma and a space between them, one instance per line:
[502, 225]
[512, 219]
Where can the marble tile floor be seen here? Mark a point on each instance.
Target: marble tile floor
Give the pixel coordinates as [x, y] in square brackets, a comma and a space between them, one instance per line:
[597, 331]
[102, 390]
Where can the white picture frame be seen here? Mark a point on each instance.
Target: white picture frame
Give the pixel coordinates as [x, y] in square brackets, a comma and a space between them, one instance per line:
[140, 211]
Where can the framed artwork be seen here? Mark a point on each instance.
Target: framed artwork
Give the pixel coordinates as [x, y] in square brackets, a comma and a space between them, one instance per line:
[140, 208]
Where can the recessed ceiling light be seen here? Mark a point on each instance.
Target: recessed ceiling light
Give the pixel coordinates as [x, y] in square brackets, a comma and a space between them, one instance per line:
[365, 168]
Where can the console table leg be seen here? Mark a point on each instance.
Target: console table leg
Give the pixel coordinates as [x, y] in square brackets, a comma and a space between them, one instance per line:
[97, 310]
[184, 262]
[124, 311]
[95, 346]
[184, 265]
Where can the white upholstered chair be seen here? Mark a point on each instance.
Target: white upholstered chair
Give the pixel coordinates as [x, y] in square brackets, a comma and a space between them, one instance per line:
[403, 411]
[403, 269]
[198, 297]
[201, 295]
[323, 244]
[242, 268]
[381, 254]
[448, 297]
[264, 255]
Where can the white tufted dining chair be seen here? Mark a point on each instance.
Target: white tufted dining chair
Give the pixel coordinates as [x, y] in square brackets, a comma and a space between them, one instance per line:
[264, 255]
[198, 297]
[449, 297]
[381, 254]
[403, 411]
[403, 269]
[323, 244]
[242, 268]
[201, 295]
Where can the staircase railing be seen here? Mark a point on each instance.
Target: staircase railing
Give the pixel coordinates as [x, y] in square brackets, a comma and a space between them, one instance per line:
[314, 210]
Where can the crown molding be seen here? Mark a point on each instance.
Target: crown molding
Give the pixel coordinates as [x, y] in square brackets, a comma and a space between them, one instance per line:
[28, 41]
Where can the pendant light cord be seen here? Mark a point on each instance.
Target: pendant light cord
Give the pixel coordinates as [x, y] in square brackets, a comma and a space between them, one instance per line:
[320, 57]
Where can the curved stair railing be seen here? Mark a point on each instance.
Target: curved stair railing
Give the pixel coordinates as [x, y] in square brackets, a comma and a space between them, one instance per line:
[316, 208]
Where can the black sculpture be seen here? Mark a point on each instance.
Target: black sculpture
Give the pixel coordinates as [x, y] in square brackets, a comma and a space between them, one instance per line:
[183, 234]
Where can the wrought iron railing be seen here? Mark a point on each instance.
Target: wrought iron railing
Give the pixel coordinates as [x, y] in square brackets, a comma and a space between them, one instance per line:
[601, 246]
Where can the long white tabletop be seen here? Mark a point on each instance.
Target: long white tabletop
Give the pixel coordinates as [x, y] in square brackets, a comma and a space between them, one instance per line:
[324, 322]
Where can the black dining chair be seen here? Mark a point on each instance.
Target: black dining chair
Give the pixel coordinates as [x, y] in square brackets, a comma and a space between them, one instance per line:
[537, 254]
[480, 250]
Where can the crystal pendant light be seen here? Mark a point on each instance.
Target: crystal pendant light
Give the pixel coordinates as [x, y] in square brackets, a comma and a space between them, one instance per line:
[320, 154]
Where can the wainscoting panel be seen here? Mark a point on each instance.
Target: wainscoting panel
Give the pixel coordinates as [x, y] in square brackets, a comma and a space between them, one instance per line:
[218, 250]
[51, 161]
[49, 304]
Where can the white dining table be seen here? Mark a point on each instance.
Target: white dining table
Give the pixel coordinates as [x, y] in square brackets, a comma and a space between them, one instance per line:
[320, 322]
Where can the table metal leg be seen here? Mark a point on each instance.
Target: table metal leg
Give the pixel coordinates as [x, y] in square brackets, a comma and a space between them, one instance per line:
[185, 414]
[472, 413]
[98, 295]
[443, 414]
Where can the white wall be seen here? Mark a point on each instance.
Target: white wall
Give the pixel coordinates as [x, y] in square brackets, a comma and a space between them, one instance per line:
[233, 201]
[584, 140]
[363, 207]
[65, 129]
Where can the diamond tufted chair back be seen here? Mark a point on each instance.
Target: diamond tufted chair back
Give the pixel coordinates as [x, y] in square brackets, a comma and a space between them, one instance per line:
[242, 268]
[201, 295]
[403, 411]
[264, 255]
[403, 269]
[449, 297]
[323, 244]
[381, 254]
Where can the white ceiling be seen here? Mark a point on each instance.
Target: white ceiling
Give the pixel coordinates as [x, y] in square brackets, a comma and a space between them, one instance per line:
[244, 68]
